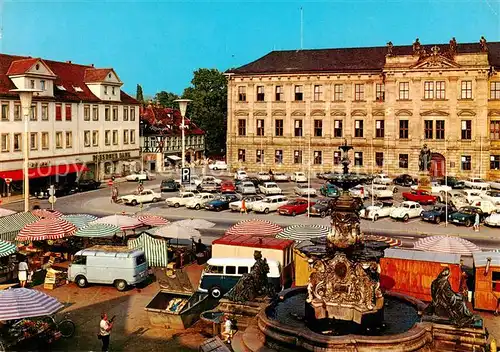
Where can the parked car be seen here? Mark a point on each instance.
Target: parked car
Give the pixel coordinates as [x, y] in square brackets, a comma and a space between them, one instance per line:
[246, 187]
[208, 187]
[454, 197]
[181, 200]
[466, 216]
[218, 165]
[222, 202]
[438, 213]
[240, 175]
[422, 197]
[298, 177]
[268, 204]
[193, 179]
[486, 206]
[249, 201]
[199, 201]
[140, 176]
[330, 190]
[321, 208]
[377, 210]
[270, 188]
[382, 179]
[216, 180]
[406, 210]
[435, 188]
[476, 182]
[190, 187]
[146, 196]
[492, 196]
[302, 189]
[493, 219]
[326, 175]
[453, 182]
[280, 177]
[471, 195]
[169, 186]
[294, 207]
[227, 186]
[264, 176]
[380, 191]
[404, 180]
[495, 184]
[87, 184]
[359, 191]
[60, 190]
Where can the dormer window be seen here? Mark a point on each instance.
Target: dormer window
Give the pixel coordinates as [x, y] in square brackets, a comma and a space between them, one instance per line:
[32, 84]
[105, 90]
[42, 84]
[60, 87]
[37, 67]
[77, 89]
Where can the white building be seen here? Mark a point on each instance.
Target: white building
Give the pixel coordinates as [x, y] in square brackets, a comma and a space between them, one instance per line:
[81, 119]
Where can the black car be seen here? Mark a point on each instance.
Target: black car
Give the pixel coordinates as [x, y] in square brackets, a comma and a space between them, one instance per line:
[60, 190]
[453, 182]
[437, 213]
[169, 186]
[321, 208]
[404, 180]
[88, 185]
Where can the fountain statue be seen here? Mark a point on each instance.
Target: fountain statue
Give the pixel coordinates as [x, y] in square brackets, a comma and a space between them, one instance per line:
[424, 166]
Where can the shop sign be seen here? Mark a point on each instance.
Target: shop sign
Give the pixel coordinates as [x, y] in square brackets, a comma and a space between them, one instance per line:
[38, 164]
[110, 156]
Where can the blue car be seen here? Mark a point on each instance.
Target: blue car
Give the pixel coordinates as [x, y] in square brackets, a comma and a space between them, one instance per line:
[222, 203]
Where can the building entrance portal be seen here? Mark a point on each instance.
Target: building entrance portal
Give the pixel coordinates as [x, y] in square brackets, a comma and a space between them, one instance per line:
[438, 166]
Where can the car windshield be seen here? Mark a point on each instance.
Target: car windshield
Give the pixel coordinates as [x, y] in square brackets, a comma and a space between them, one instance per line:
[322, 202]
[467, 210]
[405, 205]
[493, 194]
[437, 208]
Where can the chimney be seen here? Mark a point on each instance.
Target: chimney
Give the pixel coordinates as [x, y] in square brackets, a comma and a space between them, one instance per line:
[68, 62]
[92, 65]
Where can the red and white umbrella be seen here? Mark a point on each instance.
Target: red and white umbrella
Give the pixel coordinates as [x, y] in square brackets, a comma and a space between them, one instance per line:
[446, 244]
[19, 303]
[46, 213]
[46, 229]
[393, 242]
[153, 220]
[255, 227]
[124, 222]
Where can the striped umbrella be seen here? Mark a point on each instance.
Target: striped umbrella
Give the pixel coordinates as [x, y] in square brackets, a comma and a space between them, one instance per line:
[175, 231]
[11, 225]
[446, 244]
[19, 303]
[124, 222]
[153, 220]
[392, 242]
[46, 229]
[79, 220]
[46, 213]
[98, 230]
[7, 248]
[5, 212]
[255, 227]
[303, 232]
[199, 224]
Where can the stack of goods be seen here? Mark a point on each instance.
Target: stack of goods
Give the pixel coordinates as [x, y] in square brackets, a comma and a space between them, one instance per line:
[176, 304]
[54, 278]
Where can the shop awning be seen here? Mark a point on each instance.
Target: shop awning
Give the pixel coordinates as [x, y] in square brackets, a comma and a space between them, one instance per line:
[44, 171]
[173, 157]
[156, 250]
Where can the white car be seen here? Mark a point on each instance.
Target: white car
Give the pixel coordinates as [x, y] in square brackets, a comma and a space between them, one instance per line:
[492, 196]
[359, 191]
[270, 188]
[211, 179]
[249, 201]
[407, 210]
[298, 177]
[140, 176]
[476, 182]
[436, 188]
[189, 187]
[376, 211]
[263, 176]
[303, 190]
[495, 184]
[455, 198]
[471, 195]
[181, 200]
[246, 187]
[199, 201]
[271, 203]
[486, 206]
[146, 196]
[379, 191]
[382, 179]
[218, 165]
[193, 179]
[280, 177]
[240, 175]
[493, 219]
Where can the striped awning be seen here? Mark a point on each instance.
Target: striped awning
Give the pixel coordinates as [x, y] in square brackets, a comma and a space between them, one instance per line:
[46, 229]
[19, 303]
[392, 242]
[79, 220]
[446, 244]
[5, 212]
[46, 213]
[7, 248]
[255, 227]
[11, 225]
[153, 220]
[303, 232]
[98, 230]
[124, 222]
[156, 250]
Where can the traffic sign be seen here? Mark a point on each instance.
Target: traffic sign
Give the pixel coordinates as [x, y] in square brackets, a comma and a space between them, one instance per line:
[52, 199]
[8, 181]
[185, 175]
[51, 190]
[110, 183]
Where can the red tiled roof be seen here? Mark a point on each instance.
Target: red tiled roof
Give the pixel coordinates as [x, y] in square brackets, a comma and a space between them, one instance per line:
[19, 67]
[96, 74]
[168, 120]
[365, 59]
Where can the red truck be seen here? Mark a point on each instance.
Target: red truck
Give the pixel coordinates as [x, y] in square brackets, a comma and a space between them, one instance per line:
[419, 196]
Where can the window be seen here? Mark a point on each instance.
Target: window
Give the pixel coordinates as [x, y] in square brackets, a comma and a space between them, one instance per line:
[299, 94]
[242, 93]
[403, 161]
[338, 92]
[68, 112]
[358, 128]
[58, 112]
[440, 129]
[241, 155]
[132, 113]
[466, 129]
[132, 136]
[5, 111]
[466, 162]
[494, 162]
[466, 90]
[112, 90]
[95, 138]
[260, 93]
[42, 84]
[69, 139]
[428, 129]
[33, 141]
[441, 90]
[379, 159]
[259, 156]
[115, 113]
[86, 138]
[59, 140]
[428, 90]
[379, 92]
[404, 90]
[242, 127]
[279, 93]
[45, 140]
[125, 136]
[5, 142]
[32, 84]
[359, 92]
[242, 270]
[495, 90]
[105, 90]
[80, 259]
[495, 130]
[34, 114]
[278, 156]
[298, 128]
[260, 127]
[95, 113]
[212, 269]
[125, 113]
[107, 117]
[337, 157]
[318, 128]
[358, 159]
[495, 281]
[318, 92]
[45, 112]
[86, 113]
[230, 270]
[337, 129]
[403, 129]
[379, 129]
[278, 126]
[115, 137]
[18, 141]
[318, 157]
[107, 137]
[17, 112]
[297, 156]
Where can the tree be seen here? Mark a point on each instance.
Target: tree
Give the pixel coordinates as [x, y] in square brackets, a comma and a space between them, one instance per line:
[138, 95]
[208, 109]
[166, 99]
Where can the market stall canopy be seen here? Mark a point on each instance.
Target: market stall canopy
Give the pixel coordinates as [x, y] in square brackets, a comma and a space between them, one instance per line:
[98, 230]
[255, 227]
[46, 229]
[7, 248]
[46, 213]
[156, 250]
[19, 303]
[79, 220]
[173, 157]
[153, 220]
[199, 224]
[5, 212]
[303, 232]
[175, 231]
[11, 225]
[392, 242]
[124, 222]
[446, 244]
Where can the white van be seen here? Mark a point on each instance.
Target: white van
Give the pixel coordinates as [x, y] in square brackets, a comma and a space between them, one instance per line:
[119, 266]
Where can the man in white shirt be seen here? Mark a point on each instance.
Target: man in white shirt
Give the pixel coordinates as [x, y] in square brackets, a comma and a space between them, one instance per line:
[228, 332]
[105, 327]
[22, 272]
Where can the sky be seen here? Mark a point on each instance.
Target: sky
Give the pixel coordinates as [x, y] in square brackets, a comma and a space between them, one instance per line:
[159, 44]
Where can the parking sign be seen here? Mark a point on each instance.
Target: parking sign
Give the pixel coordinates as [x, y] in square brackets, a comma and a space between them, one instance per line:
[185, 175]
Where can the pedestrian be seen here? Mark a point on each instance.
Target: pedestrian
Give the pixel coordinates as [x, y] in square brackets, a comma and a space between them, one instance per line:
[476, 223]
[243, 207]
[22, 272]
[105, 327]
[228, 332]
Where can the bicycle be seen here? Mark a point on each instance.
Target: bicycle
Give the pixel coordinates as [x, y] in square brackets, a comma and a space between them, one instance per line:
[65, 326]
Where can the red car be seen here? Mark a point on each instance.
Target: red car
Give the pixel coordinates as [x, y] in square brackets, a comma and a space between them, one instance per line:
[227, 186]
[294, 207]
[419, 196]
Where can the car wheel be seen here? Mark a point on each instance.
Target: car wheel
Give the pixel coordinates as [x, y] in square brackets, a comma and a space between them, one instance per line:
[215, 292]
[121, 285]
[406, 218]
[294, 214]
[81, 281]
[375, 217]
[468, 223]
[322, 214]
[133, 202]
[176, 205]
[218, 209]
[438, 220]
[137, 179]
[395, 190]
[197, 207]
[266, 211]
[155, 200]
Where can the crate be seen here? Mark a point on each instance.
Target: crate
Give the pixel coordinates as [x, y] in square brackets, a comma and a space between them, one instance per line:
[49, 286]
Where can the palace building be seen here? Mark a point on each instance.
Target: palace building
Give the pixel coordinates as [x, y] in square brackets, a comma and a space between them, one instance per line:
[293, 108]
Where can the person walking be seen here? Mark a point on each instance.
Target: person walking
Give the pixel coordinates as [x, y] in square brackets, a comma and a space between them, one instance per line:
[22, 272]
[243, 207]
[476, 223]
[105, 327]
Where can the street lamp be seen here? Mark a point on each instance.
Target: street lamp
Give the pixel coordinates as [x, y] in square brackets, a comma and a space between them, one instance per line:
[26, 96]
[182, 107]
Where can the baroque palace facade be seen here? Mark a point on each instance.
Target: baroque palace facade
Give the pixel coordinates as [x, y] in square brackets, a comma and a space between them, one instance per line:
[291, 108]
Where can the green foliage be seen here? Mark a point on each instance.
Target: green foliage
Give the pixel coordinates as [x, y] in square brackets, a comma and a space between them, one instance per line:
[138, 95]
[166, 99]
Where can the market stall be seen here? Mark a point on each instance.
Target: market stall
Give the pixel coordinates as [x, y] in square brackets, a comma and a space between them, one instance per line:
[11, 225]
[7, 261]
